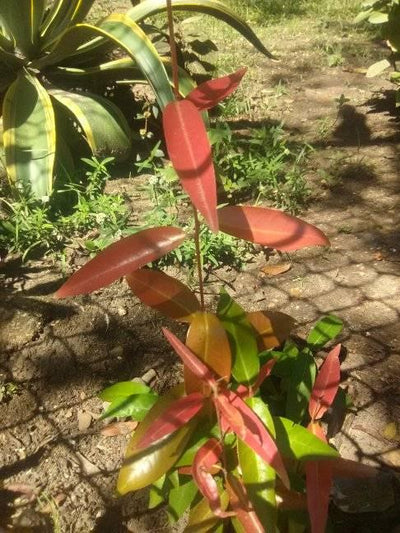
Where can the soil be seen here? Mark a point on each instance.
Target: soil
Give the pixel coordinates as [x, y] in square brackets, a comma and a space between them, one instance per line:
[58, 471]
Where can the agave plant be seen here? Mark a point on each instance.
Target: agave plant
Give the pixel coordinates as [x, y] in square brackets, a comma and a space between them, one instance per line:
[47, 52]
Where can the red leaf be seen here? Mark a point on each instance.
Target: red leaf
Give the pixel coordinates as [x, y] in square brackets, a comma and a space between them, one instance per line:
[326, 385]
[318, 484]
[242, 506]
[193, 363]
[265, 371]
[319, 475]
[190, 153]
[249, 428]
[121, 258]
[175, 416]
[347, 469]
[269, 227]
[206, 457]
[164, 293]
[212, 92]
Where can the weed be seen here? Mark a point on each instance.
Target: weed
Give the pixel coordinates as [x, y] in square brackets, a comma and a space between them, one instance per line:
[7, 390]
[171, 209]
[261, 165]
[30, 225]
[334, 55]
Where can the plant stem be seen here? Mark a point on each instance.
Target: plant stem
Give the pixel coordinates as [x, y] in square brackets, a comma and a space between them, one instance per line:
[172, 46]
[198, 256]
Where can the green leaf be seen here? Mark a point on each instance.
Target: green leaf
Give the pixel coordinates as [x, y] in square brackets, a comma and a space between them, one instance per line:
[122, 390]
[296, 442]
[301, 382]
[246, 363]
[142, 467]
[326, 329]
[148, 8]
[63, 14]
[179, 499]
[29, 134]
[258, 476]
[116, 70]
[123, 31]
[156, 493]
[22, 21]
[93, 112]
[376, 17]
[202, 433]
[136, 406]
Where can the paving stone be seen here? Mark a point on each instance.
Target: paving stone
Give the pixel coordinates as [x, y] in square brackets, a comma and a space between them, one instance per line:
[369, 315]
[339, 298]
[327, 262]
[384, 286]
[309, 287]
[353, 275]
[302, 312]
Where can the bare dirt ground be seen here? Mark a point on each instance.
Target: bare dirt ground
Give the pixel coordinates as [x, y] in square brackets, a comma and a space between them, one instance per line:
[56, 466]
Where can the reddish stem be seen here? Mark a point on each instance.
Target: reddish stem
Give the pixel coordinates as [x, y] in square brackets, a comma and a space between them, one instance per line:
[172, 46]
[198, 256]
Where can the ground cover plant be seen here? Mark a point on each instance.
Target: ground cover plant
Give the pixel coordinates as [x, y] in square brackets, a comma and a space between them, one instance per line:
[81, 208]
[231, 444]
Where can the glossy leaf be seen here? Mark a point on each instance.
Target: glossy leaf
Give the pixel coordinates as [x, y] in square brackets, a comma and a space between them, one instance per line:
[212, 92]
[206, 457]
[326, 329]
[250, 430]
[242, 507]
[29, 134]
[269, 227]
[272, 327]
[295, 442]
[347, 469]
[190, 153]
[300, 384]
[156, 493]
[121, 258]
[326, 385]
[175, 416]
[318, 484]
[143, 467]
[190, 360]
[207, 339]
[246, 363]
[265, 371]
[258, 476]
[180, 498]
[148, 8]
[164, 293]
[122, 390]
[92, 111]
[202, 519]
[135, 406]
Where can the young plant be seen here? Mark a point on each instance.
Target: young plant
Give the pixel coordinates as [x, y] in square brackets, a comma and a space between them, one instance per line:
[230, 445]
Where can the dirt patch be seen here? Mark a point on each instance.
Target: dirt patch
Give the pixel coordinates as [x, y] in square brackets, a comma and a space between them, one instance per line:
[60, 354]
